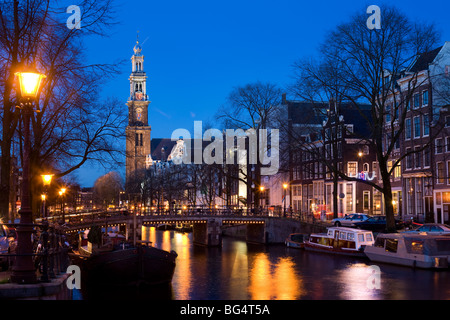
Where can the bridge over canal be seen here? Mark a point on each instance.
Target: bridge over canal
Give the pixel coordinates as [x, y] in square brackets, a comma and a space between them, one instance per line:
[207, 230]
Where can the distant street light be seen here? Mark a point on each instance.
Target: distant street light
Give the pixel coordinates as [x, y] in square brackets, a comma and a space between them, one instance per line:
[285, 186]
[62, 193]
[23, 271]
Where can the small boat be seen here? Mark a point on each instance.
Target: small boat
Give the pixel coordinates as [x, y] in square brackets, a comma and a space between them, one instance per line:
[413, 250]
[165, 226]
[340, 240]
[296, 240]
[183, 227]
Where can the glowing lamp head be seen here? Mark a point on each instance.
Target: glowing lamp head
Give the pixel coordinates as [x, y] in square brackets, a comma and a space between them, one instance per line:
[47, 179]
[285, 186]
[262, 188]
[30, 83]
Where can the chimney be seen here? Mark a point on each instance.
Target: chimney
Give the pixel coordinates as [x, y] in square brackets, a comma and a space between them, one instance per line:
[284, 101]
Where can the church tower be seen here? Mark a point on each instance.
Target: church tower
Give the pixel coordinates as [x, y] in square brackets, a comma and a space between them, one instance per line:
[138, 145]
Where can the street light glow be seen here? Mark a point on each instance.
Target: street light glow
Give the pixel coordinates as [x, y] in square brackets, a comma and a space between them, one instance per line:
[30, 83]
[47, 178]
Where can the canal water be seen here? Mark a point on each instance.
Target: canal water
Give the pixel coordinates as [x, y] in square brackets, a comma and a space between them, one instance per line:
[241, 271]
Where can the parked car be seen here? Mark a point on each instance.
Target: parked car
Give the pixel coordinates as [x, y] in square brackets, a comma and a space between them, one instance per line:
[7, 245]
[433, 228]
[349, 220]
[377, 224]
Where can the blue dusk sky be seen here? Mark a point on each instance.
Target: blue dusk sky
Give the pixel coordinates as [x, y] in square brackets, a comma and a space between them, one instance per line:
[197, 51]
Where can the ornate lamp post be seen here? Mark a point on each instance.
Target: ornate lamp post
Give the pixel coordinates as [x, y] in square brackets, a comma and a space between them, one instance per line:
[47, 180]
[61, 193]
[262, 189]
[285, 186]
[23, 271]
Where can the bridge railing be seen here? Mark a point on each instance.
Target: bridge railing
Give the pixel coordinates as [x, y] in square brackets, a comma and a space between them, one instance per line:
[111, 216]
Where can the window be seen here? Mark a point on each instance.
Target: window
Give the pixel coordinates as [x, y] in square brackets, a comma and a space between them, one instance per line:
[426, 157]
[425, 98]
[388, 114]
[426, 125]
[416, 101]
[391, 245]
[418, 157]
[379, 242]
[408, 129]
[447, 144]
[438, 198]
[349, 197]
[349, 128]
[360, 237]
[447, 121]
[439, 145]
[398, 171]
[408, 158]
[375, 168]
[352, 169]
[366, 167]
[397, 141]
[416, 127]
[448, 172]
[366, 200]
[419, 196]
[440, 172]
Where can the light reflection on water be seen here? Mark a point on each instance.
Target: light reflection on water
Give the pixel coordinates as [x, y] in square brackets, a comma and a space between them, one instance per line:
[240, 271]
[230, 272]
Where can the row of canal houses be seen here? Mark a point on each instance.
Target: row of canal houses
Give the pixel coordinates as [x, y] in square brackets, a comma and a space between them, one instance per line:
[336, 135]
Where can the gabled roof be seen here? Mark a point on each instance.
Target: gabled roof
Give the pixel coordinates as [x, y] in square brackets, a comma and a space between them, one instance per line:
[306, 112]
[424, 60]
[358, 117]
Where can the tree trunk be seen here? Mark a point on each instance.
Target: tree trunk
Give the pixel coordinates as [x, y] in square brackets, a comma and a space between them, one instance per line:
[335, 196]
[388, 206]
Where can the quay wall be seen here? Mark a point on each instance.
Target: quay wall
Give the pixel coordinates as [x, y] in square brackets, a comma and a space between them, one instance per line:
[276, 230]
[55, 290]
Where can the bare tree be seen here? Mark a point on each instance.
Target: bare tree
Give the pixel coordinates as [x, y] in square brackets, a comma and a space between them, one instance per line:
[358, 65]
[107, 189]
[253, 106]
[72, 126]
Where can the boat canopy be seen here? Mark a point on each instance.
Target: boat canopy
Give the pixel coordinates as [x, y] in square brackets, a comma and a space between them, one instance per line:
[432, 246]
[420, 244]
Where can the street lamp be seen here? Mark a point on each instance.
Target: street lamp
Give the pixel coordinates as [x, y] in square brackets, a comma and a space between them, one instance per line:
[47, 180]
[61, 193]
[23, 271]
[261, 189]
[285, 186]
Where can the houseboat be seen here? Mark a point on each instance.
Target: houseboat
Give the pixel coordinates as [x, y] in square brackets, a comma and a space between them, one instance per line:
[123, 263]
[413, 250]
[341, 240]
[296, 240]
